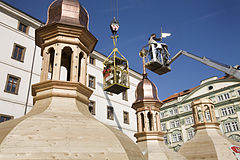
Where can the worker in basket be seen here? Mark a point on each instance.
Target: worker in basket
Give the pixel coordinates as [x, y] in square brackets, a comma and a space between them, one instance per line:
[157, 47]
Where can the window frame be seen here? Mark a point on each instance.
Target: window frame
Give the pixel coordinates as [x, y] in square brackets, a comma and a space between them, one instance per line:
[109, 112]
[187, 107]
[94, 107]
[17, 85]
[23, 52]
[177, 137]
[125, 113]
[92, 60]
[94, 81]
[190, 134]
[230, 110]
[223, 97]
[163, 127]
[175, 123]
[231, 126]
[27, 27]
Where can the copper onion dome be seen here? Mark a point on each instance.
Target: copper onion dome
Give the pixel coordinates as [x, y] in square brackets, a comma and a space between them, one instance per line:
[68, 12]
[146, 91]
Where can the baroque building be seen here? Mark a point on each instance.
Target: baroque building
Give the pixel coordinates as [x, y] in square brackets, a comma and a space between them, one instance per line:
[208, 142]
[20, 67]
[177, 116]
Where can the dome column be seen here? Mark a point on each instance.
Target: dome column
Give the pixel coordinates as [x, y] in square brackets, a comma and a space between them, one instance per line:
[74, 65]
[83, 74]
[45, 65]
[139, 123]
[57, 62]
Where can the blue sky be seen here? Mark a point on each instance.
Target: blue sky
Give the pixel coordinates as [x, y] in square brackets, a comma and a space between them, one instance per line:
[208, 28]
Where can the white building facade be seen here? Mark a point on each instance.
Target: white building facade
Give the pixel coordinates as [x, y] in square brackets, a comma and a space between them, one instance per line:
[20, 67]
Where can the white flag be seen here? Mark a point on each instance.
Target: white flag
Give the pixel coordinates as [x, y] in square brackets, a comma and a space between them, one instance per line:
[164, 35]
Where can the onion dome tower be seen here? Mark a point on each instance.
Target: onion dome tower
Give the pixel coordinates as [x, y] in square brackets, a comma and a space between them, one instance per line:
[208, 142]
[149, 135]
[60, 126]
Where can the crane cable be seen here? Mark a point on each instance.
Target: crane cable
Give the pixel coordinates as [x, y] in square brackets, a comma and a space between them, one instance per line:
[114, 9]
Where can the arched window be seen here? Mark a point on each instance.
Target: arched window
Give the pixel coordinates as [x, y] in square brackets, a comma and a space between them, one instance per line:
[150, 120]
[142, 121]
[51, 51]
[66, 63]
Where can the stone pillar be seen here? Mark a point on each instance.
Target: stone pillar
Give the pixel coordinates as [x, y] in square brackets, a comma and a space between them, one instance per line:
[146, 122]
[195, 114]
[139, 123]
[83, 75]
[57, 62]
[45, 65]
[154, 121]
[203, 114]
[74, 65]
[158, 122]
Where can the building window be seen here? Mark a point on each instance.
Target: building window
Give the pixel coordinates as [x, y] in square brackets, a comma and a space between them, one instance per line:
[231, 126]
[176, 137]
[12, 84]
[189, 120]
[187, 108]
[175, 124]
[22, 27]
[228, 111]
[163, 126]
[162, 114]
[91, 82]
[223, 97]
[4, 118]
[239, 92]
[110, 113]
[92, 60]
[125, 117]
[91, 107]
[18, 52]
[190, 134]
[175, 110]
[125, 95]
[165, 139]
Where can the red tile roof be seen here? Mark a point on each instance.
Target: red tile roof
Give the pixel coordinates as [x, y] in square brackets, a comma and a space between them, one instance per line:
[176, 95]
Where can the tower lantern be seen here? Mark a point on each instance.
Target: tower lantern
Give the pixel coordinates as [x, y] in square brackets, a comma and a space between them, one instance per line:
[208, 141]
[65, 47]
[149, 134]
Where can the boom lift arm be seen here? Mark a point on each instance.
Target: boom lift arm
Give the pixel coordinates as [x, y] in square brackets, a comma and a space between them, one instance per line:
[230, 70]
